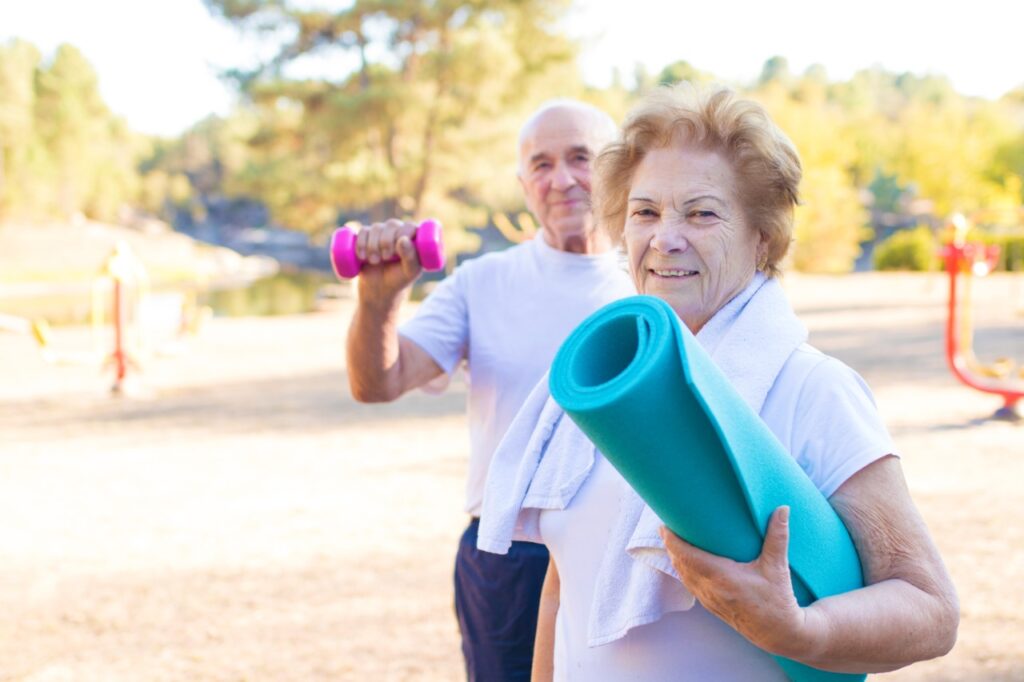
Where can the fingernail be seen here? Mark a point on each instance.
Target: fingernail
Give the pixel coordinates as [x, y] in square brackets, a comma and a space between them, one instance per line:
[784, 515]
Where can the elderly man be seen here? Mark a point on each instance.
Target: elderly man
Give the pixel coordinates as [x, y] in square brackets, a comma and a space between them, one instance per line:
[505, 314]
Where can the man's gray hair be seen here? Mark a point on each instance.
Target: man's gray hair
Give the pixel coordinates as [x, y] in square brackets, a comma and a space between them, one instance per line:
[606, 123]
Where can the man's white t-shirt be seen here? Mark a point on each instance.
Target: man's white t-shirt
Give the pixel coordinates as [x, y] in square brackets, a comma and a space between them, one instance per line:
[825, 416]
[506, 313]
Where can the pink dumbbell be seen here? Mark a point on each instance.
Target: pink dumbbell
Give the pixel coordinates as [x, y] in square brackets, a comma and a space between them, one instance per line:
[427, 241]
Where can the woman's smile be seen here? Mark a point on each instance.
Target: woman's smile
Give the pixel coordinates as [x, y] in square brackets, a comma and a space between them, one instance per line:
[673, 273]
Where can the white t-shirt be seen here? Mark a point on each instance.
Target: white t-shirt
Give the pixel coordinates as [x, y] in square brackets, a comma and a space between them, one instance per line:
[825, 415]
[506, 313]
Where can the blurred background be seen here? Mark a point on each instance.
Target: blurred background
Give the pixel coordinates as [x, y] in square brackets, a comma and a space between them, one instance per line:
[261, 126]
[171, 172]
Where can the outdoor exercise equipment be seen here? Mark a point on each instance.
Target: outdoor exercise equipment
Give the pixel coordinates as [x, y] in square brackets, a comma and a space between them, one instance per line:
[128, 323]
[120, 287]
[427, 241]
[128, 282]
[965, 260]
[642, 388]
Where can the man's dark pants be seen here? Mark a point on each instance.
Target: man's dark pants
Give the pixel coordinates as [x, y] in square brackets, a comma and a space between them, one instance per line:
[496, 601]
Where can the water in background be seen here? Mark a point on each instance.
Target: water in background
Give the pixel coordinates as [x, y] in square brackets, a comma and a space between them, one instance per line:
[282, 294]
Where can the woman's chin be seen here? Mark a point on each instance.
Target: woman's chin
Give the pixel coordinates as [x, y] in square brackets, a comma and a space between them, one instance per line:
[684, 306]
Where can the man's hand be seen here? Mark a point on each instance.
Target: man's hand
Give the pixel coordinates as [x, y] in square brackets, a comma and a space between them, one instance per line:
[381, 282]
[755, 598]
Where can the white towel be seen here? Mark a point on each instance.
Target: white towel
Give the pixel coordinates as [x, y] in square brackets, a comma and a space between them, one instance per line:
[539, 464]
[544, 458]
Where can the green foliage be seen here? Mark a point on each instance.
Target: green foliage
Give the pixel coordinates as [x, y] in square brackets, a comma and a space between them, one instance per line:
[913, 249]
[61, 150]
[944, 149]
[829, 223]
[206, 163]
[774, 70]
[18, 64]
[682, 70]
[1011, 250]
[886, 192]
[1007, 165]
[426, 122]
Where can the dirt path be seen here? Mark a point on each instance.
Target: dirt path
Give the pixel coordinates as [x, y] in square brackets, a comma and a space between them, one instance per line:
[245, 520]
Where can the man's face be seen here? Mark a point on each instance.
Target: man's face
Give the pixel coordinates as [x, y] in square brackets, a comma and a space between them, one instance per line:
[554, 170]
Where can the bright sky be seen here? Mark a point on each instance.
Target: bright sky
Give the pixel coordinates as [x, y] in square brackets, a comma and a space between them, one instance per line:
[162, 78]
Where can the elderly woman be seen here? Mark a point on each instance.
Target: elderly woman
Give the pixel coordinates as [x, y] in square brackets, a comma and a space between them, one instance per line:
[700, 190]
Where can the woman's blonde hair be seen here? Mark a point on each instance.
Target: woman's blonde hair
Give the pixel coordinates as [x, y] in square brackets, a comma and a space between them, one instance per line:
[765, 161]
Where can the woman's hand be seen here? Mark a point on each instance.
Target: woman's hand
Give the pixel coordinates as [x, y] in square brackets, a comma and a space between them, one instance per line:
[907, 611]
[755, 598]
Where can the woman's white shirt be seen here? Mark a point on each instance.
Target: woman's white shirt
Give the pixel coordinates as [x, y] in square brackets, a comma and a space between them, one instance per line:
[824, 414]
[680, 647]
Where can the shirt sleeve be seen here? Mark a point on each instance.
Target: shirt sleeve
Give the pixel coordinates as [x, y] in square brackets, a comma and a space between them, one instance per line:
[838, 430]
[441, 325]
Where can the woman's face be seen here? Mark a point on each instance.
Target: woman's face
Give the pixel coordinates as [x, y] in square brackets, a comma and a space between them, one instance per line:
[686, 234]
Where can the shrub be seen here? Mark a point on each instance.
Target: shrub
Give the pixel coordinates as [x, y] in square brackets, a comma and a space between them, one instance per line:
[915, 249]
[1011, 250]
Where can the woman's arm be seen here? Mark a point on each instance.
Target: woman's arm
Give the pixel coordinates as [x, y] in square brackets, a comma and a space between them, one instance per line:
[544, 644]
[907, 612]
[909, 609]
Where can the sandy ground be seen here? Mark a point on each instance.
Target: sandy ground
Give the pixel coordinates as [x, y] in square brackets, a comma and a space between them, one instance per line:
[241, 518]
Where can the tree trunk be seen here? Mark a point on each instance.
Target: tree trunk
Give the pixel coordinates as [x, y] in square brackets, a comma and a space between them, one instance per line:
[364, 67]
[391, 152]
[430, 130]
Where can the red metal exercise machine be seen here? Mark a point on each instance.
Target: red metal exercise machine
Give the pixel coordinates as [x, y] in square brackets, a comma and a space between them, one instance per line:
[965, 260]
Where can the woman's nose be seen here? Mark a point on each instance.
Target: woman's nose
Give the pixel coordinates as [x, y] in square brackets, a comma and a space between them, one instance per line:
[668, 238]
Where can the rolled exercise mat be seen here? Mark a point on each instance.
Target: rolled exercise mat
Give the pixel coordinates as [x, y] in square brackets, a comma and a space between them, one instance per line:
[641, 387]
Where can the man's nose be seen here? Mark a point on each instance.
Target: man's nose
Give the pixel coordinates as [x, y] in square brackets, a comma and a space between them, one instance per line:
[562, 177]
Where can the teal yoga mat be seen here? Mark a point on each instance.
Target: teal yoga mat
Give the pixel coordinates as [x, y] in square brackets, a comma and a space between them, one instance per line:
[642, 388]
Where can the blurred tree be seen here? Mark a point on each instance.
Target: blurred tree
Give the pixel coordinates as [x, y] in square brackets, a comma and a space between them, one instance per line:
[816, 73]
[69, 116]
[774, 70]
[113, 179]
[1007, 167]
[89, 160]
[831, 220]
[18, 62]
[1008, 164]
[886, 192]
[682, 70]
[910, 249]
[420, 118]
[946, 146]
[184, 178]
[643, 80]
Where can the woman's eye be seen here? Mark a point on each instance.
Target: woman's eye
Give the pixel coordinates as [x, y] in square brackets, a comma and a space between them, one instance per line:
[644, 212]
[703, 215]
